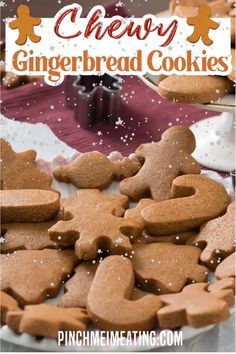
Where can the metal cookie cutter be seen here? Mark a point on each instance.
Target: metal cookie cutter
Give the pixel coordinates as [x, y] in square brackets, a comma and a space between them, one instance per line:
[93, 98]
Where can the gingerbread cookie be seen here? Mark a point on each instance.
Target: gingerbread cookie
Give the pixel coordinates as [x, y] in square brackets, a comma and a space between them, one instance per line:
[185, 3]
[95, 170]
[163, 162]
[77, 288]
[177, 239]
[223, 284]
[28, 205]
[197, 200]
[25, 236]
[194, 89]
[25, 24]
[195, 306]
[216, 238]
[226, 269]
[88, 199]
[219, 8]
[163, 268]
[39, 273]
[185, 11]
[95, 229]
[109, 303]
[7, 303]
[18, 170]
[135, 213]
[46, 320]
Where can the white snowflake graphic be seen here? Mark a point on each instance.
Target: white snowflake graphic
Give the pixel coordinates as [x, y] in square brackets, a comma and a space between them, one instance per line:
[2, 4]
[119, 121]
[120, 4]
[119, 240]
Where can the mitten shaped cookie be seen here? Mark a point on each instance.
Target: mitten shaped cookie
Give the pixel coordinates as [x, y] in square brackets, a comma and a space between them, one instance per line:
[216, 238]
[78, 286]
[163, 268]
[33, 276]
[95, 170]
[195, 306]
[26, 236]
[163, 162]
[196, 199]
[18, 170]
[45, 320]
[7, 303]
[109, 300]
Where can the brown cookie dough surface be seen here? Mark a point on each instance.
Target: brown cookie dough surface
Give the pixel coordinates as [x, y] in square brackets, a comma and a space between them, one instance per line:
[33, 276]
[18, 170]
[194, 89]
[163, 268]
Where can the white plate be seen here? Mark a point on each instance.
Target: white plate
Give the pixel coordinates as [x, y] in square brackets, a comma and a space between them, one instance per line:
[24, 136]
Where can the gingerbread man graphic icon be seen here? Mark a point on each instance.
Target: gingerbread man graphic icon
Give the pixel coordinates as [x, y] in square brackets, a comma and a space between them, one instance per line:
[202, 24]
[25, 25]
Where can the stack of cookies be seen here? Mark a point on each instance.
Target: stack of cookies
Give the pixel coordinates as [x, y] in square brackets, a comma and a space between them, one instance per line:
[151, 262]
[200, 89]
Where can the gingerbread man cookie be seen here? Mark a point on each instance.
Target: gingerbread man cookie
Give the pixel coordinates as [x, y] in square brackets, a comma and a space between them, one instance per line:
[163, 268]
[217, 238]
[195, 306]
[197, 199]
[95, 170]
[163, 162]
[109, 300]
[25, 25]
[202, 24]
[18, 170]
[39, 273]
[45, 320]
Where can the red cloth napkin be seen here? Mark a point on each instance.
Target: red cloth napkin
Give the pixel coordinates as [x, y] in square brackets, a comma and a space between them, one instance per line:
[143, 114]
